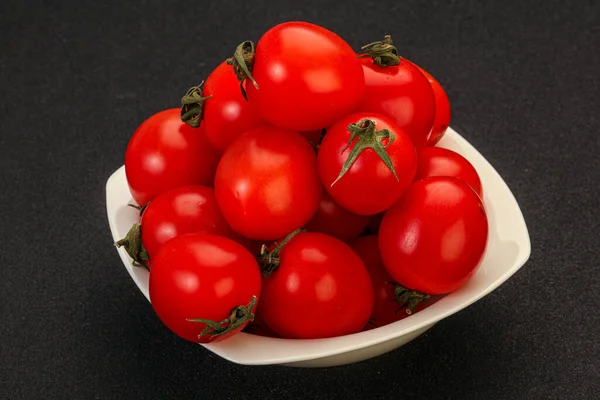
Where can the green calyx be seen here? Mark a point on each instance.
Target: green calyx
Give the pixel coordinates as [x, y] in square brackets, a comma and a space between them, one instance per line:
[192, 106]
[132, 243]
[269, 260]
[383, 53]
[407, 298]
[239, 317]
[242, 62]
[367, 137]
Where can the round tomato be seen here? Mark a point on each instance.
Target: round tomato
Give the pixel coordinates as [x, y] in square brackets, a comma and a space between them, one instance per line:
[392, 303]
[433, 240]
[164, 153]
[267, 183]
[303, 76]
[366, 163]
[226, 113]
[441, 120]
[185, 209]
[437, 161]
[204, 287]
[320, 288]
[332, 219]
[400, 92]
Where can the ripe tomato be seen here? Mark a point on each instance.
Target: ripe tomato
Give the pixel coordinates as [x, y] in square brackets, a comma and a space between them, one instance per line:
[307, 77]
[437, 161]
[185, 209]
[204, 277]
[402, 93]
[441, 120]
[433, 239]
[369, 186]
[226, 113]
[319, 289]
[267, 183]
[164, 153]
[332, 219]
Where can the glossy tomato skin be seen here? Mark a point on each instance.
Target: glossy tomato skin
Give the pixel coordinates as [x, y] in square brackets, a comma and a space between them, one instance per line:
[441, 120]
[385, 310]
[267, 184]
[181, 210]
[226, 113]
[332, 219]
[434, 239]
[368, 187]
[438, 161]
[164, 153]
[307, 76]
[201, 276]
[401, 93]
[320, 289]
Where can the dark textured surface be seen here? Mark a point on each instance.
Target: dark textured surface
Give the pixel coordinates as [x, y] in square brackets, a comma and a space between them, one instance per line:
[76, 79]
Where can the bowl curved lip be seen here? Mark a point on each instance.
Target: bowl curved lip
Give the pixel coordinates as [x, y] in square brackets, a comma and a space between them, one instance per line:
[249, 349]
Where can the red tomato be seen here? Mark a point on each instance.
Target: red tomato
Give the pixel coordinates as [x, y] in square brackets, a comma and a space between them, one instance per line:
[332, 219]
[199, 276]
[226, 113]
[267, 183]
[437, 161]
[307, 77]
[441, 120]
[185, 209]
[259, 327]
[433, 240]
[402, 93]
[164, 153]
[320, 289]
[385, 310]
[369, 186]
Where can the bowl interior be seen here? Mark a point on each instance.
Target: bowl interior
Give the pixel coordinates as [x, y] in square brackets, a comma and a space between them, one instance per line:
[508, 249]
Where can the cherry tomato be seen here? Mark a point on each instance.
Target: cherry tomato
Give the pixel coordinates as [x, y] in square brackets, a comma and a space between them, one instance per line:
[437, 161]
[441, 120]
[320, 289]
[369, 186]
[386, 309]
[226, 113]
[332, 219]
[401, 93]
[200, 276]
[185, 209]
[164, 153]
[433, 240]
[307, 77]
[267, 183]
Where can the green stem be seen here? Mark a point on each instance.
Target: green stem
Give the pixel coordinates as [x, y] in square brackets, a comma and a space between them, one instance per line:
[408, 298]
[132, 243]
[269, 260]
[192, 106]
[242, 62]
[367, 138]
[384, 53]
[239, 317]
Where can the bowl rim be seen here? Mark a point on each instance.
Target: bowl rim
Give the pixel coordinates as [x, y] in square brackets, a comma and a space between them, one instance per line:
[245, 348]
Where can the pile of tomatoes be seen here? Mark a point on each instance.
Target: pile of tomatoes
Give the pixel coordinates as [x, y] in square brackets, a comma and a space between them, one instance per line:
[299, 193]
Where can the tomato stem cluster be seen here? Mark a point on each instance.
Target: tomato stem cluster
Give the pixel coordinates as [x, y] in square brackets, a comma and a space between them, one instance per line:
[408, 298]
[368, 137]
[239, 316]
[192, 106]
[384, 53]
[242, 62]
[269, 260]
[134, 247]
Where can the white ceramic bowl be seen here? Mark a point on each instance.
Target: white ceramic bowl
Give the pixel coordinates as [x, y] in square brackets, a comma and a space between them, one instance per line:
[508, 249]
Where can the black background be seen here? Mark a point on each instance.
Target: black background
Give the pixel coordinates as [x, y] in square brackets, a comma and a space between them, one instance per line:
[76, 78]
